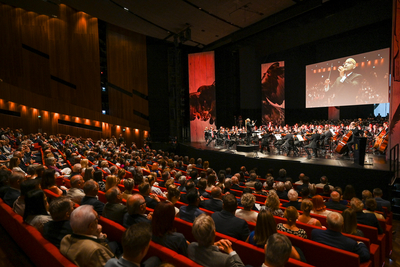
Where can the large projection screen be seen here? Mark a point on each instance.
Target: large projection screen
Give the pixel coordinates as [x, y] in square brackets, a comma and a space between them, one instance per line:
[354, 80]
[201, 94]
[273, 93]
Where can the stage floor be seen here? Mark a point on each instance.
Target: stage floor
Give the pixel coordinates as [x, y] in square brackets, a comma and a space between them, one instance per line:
[372, 161]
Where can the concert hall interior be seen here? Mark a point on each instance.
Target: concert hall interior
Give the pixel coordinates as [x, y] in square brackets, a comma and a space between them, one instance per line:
[310, 86]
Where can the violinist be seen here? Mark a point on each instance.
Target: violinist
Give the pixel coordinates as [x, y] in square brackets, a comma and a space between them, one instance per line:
[265, 141]
[315, 137]
[289, 142]
[212, 136]
[327, 135]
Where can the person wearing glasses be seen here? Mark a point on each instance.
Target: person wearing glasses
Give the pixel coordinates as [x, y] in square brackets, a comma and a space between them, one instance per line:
[136, 206]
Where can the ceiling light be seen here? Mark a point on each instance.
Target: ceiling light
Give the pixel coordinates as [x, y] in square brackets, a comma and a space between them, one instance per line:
[126, 9]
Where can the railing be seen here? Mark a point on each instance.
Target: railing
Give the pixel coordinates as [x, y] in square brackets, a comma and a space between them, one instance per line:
[394, 163]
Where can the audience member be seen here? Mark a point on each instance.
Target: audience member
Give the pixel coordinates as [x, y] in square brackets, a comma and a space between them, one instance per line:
[136, 206]
[151, 199]
[335, 203]
[91, 189]
[265, 227]
[293, 200]
[290, 227]
[75, 193]
[214, 203]
[98, 177]
[350, 223]
[306, 207]
[191, 211]
[13, 191]
[226, 223]
[173, 196]
[60, 210]
[26, 186]
[364, 218]
[129, 184]
[114, 210]
[333, 237]
[378, 197]
[278, 249]
[272, 204]
[205, 251]
[36, 209]
[370, 205]
[280, 191]
[319, 206]
[248, 200]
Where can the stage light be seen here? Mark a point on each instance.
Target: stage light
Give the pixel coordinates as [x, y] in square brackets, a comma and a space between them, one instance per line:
[103, 111]
[103, 89]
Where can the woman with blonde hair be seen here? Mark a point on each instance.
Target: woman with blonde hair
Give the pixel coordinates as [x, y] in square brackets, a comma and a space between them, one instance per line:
[121, 174]
[306, 207]
[84, 164]
[173, 196]
[290, 227]
[111, 181]
[206, 165]
[350, 223]
[319, 206]
[272, 204]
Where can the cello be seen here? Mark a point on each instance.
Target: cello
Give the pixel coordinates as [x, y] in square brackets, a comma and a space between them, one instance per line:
[379, 139]
[342, 146]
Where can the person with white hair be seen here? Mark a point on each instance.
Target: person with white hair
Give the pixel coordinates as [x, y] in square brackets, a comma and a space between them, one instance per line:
[293, 200]
[86, 246]
[248, 200]
[205, 251]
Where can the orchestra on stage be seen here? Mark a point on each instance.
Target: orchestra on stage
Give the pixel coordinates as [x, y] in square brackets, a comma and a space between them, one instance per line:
[293, 140]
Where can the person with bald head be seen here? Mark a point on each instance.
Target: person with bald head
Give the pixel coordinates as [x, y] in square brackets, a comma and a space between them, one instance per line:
[215, 202]
[333, 237]
[235, 183]
[136, 206]
[345, 88]
[91, 189]
[335, 204]
[75, 193]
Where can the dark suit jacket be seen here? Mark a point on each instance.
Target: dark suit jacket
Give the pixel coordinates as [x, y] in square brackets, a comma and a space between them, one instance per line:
[133, 219]
[313, 140]
[54, 231]
[337, 240]
[335, 205]
[150, 202]
[295, 204]
[282, 194]
[11, 195]
[114, 212]
[98, 206]
[384, 203]
[212, 204]
[236, 187]
[226, 223]
[347, 90]
[369, 219]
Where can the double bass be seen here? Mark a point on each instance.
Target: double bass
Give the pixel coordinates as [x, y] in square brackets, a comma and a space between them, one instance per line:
[381, 142]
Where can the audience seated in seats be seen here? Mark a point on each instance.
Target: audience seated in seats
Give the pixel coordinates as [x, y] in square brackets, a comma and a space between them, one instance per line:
[84, 163]
[350, 223]
[272, 204]
[269, 183]
[248, 200]
[31, 173]
[114, 210]
[326, 191]
[252, 180]
[50, 163]
[60, 211]
[281, 175]
[173, 196]
[15, 164]
[136, 206]
[227, 187]
[280, 191]
[111, 181]
[4, 181]
[163, 228]
[211, 180]
[319, 206]
[306, 181]
[151, 199]
[193, 176]
[291, 215]
[104, 166]
[155, 190]
[235, 184]
[364, 218]
[258, 189]
[165, 176]
[324, 181]
[138, 179]
[342, 201]
[36, 209]
[88, 174]
[306, 207]
[208, 253]
[121, 174]
[214, 203]
[333, 237]
[201, 185]
[300, 181]
[129, 184]
[349, 193]
[288, 186]
[98, 177]
[76, 170]
[378, 197]
[75, 193]
[135, 244]
[278, 249]
[226, 223]
[91, 189]
[335, 203]
[304, 193]
[265, 227]
[370, 205]
[191, 211]
[86, 246]
[13, 191]
[48, 181]
[182, 182]
[26, 186]
[293, 200]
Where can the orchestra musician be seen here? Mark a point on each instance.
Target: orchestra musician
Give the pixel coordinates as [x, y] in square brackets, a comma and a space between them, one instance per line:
[212, 136]
[265, 141]
[249, 129]
[289, 142]
[355, 132]
[315, 137]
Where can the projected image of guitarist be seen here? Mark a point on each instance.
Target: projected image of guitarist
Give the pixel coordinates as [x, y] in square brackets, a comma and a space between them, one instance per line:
[345, 89]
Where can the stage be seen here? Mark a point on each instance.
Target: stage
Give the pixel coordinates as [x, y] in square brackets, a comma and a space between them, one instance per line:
[340, 171]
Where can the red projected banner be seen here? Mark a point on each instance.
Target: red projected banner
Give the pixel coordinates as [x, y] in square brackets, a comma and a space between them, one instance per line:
[201, 94]
[273, 93]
